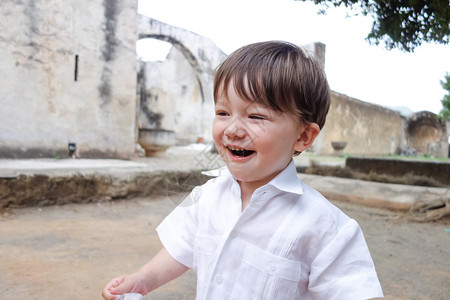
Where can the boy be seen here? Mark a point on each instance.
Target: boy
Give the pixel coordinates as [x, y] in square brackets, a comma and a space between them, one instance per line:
[257, 231]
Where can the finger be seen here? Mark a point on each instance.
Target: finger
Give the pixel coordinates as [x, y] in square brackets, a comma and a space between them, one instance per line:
[108, 291]
[115, 282]
[119, 290]
[107, 295]
[118, 281]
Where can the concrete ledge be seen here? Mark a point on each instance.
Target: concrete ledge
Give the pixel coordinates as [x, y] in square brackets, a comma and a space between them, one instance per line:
[381, 195]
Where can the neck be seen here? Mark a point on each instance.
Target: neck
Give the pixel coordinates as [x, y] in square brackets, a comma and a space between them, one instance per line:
[247, 190]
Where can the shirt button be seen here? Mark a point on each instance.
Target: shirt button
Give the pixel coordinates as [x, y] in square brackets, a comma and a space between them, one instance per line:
[272, 267]
[219, 280]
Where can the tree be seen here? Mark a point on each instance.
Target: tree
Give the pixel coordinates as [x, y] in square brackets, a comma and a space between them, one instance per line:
[445, 112]
[402, 24]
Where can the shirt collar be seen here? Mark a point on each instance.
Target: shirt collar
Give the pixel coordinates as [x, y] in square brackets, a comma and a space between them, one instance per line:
[286, 181]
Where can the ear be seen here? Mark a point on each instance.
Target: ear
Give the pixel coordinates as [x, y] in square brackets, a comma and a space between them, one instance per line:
[307, 135]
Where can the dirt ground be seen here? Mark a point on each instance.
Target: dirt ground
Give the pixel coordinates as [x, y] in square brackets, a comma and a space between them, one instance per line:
[72, 251]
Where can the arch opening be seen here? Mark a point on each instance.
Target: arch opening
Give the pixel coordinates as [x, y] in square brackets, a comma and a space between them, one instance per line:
[170, 91]
[150, 49]
[426, 133]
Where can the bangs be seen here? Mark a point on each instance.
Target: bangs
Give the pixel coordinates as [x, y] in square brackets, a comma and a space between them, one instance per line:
[257, 77]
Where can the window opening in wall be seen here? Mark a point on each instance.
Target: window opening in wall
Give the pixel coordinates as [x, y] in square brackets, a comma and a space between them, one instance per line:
[76, 68]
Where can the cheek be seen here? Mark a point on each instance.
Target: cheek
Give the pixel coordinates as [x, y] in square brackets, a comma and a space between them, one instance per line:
[279, 142]
[216, 131]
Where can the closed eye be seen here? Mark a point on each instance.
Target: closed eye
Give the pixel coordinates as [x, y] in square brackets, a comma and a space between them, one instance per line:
[257, 117]
[221, 113]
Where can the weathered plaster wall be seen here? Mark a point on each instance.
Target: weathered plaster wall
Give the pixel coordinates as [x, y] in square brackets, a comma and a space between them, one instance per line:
[367, 128]
[172, 98]
[203, 56]
[68, 73]
[427, 134]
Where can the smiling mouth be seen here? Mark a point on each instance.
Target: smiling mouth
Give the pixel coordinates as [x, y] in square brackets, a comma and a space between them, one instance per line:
[240, 152]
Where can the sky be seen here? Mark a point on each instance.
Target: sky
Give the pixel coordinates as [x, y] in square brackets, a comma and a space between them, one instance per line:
[354, 67]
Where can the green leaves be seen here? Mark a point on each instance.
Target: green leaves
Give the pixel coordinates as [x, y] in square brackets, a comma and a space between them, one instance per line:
[445, 112]
[402, 24]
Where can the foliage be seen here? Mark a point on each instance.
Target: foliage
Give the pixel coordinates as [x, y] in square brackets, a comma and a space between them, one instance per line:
[445, 112]
[402, 24]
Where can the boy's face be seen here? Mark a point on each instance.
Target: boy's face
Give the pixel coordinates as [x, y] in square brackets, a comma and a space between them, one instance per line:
[255, 141]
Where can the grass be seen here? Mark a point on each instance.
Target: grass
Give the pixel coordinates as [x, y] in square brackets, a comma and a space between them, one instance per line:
[424, 158]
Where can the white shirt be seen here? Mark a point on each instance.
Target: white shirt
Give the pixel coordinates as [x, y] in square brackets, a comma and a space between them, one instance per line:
[288, 243]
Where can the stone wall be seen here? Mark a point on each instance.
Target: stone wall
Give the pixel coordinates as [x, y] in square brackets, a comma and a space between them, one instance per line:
[171, 98]
[203, 56]
[367, 128]
[68, 74]
[427, 134]
[177, 93]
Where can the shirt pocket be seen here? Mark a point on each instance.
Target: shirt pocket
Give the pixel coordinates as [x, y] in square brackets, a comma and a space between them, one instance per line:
[263, 275]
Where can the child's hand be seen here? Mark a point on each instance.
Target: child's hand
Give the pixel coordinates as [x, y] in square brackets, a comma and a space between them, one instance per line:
[132, 283]
[159, 270]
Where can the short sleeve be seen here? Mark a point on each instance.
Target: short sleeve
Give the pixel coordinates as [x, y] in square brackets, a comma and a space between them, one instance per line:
[344, 269]
[178, 229]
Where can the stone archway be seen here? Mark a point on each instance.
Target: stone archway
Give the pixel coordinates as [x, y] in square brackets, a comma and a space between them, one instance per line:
[427, 134]
[201, 54]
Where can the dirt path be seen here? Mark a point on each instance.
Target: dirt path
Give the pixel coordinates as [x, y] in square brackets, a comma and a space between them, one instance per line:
[412, 259]
[70, 252]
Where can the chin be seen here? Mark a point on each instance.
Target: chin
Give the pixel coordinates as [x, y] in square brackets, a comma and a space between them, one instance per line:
[241, 175]
[236, 172]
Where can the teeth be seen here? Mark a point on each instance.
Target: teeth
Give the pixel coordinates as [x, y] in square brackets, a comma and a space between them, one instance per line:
[240, 151]
[235, 148]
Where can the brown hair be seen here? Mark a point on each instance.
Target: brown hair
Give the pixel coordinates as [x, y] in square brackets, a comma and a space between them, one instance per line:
[279, 75]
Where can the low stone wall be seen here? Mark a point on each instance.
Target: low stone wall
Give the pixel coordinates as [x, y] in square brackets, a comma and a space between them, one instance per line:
[399, 167]
[40, 190]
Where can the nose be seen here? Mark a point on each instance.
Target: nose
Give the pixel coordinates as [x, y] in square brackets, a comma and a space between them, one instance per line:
[235, 130]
